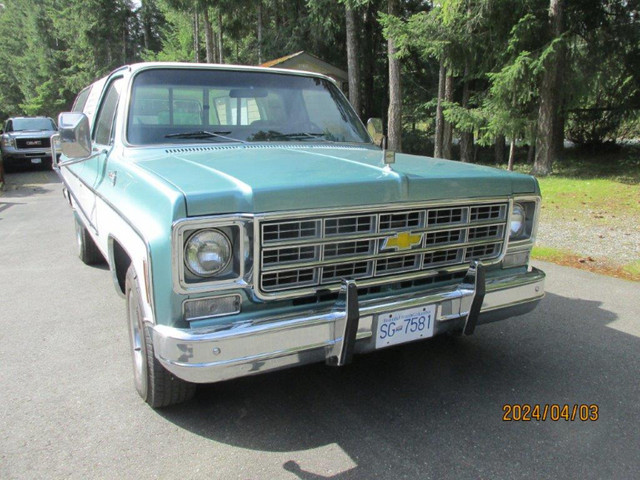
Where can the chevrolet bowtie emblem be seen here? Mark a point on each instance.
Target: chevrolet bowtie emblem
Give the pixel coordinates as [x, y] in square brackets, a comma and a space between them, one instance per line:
[402, 241]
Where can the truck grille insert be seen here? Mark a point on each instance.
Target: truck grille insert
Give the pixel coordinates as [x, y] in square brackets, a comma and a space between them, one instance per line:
[299, 254]
[27, 143]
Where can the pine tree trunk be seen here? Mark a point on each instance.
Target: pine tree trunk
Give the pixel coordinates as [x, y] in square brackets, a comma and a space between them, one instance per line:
[196, 35]
[394, 128]
[368, 63]
[352, 60]
[447, 134]
[146, 27]
[208, 35]
[512, 154]
[221, 59]
[531, 154]
[437, 152]
[466, 138]
[531, 151]
[466, 147]
[259, 32]
[499, 149]
[549, 127]
[558, 125]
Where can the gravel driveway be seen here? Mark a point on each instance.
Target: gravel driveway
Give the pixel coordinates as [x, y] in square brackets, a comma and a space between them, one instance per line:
[616, 241]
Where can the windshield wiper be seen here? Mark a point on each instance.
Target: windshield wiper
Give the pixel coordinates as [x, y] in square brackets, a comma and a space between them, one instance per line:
[295, 135]
[203, 134]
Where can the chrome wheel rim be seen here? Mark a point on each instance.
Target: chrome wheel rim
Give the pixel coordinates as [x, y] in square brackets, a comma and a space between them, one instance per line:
[137, 345]
[79, 236]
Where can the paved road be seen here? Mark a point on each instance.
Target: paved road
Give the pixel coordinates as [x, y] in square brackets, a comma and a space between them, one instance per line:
[68, 408]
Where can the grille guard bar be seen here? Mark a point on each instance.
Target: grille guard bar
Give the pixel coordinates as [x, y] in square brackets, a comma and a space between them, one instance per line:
[346, 326]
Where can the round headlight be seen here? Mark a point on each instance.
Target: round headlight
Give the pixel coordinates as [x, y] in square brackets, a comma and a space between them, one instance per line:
[207, 253]
[517, 220]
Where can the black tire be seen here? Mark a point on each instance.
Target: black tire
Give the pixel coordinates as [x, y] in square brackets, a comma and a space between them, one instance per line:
[154, 384]
[88, 251]
[47, 164]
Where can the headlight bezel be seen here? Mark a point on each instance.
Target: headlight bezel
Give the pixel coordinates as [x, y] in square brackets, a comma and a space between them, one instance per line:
[237, 229]
[530, 206]
[518, 251]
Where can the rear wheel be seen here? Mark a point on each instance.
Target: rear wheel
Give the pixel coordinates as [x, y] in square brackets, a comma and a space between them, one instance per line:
[156, 386]
[87, 249]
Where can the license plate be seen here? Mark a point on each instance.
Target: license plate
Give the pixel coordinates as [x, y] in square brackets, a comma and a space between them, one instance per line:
[405, 326]
[36, 160]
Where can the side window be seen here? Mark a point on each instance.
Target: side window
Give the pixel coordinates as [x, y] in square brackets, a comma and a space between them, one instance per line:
[81, 100]
[106, 115]
[9, 126]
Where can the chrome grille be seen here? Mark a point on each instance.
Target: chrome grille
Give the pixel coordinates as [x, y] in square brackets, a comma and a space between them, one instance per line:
[399, 221]
[444, 237]
[346, 249]
[333, 273]
[446, 216]
[290, 230]
[349, 225]
[486, 212]
[289, 254]
[398, 264]
[299, 254]
[301, 277]
[479, 251]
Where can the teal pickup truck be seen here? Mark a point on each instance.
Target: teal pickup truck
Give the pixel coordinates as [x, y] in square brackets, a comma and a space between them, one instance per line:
[252, 224]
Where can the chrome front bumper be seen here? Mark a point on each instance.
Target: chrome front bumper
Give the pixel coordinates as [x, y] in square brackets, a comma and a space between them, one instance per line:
[241, 349]
[23, 154]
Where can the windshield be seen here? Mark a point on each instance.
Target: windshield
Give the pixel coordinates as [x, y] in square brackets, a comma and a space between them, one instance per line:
[19, 124]
[206, 106]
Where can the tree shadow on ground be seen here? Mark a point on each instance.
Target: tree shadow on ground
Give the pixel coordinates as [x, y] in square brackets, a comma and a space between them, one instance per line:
[435, 408]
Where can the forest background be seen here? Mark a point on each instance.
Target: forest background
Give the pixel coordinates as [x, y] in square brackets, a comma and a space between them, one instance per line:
[450, 78]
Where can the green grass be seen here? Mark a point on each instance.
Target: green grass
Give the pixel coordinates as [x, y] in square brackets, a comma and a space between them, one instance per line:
[596, 199]
[633, 269]
[549, 254]
[593, 185]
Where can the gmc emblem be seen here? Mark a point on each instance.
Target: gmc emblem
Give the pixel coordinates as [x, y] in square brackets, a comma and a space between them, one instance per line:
[34, 143]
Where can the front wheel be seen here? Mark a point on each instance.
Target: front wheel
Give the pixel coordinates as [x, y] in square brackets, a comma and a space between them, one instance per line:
[156, 386]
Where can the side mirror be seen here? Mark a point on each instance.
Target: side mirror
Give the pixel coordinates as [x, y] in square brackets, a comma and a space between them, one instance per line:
[75, 136]
[374, 127]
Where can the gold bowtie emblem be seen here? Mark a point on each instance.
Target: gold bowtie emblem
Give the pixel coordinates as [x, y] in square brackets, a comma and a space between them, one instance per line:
[402, 241]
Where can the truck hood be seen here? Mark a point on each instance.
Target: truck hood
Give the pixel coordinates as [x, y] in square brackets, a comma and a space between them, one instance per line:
[31, 133]
[267, 178]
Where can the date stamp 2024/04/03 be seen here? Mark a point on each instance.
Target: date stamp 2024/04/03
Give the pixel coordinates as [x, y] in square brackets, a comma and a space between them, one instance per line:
[516, 412]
